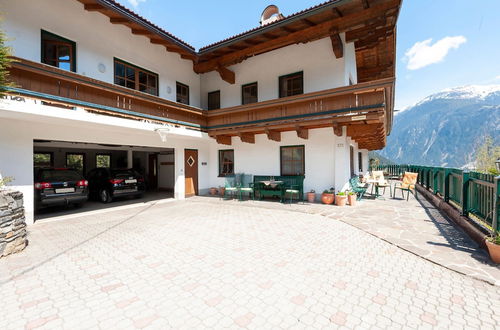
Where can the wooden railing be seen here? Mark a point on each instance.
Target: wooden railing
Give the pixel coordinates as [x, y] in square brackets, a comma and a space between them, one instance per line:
[475, 194]
[56, 86]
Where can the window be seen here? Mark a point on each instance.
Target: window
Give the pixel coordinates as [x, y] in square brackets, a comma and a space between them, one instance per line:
[182, 93]
[249, 93]
[292, 160]
[214, 100]
[351, 162]
[58, 51]
[43, 159]
[226, 162]
[292, 84]
[360, 162]
[76, 161]
[133, 77]
[103, 160]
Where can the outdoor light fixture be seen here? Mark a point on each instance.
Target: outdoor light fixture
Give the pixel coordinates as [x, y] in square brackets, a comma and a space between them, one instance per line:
[497, 163]
[162, 131]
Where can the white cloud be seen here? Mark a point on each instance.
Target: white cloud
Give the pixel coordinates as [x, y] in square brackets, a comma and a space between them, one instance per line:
[423, 53]
[135, 3]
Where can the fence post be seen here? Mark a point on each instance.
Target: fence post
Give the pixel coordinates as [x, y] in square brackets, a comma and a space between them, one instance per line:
[496, 192]
[435, 175]
[465, 193]
[447, 184]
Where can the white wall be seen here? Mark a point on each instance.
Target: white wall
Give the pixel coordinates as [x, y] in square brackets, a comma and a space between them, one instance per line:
[97, 41]
[325, 158]
[316, 59]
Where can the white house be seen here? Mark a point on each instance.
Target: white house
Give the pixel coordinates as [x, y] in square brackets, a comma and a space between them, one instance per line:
[309, 93]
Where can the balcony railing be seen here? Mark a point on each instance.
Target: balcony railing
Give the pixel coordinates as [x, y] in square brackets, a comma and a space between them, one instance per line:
[59, 87]
[474, 194]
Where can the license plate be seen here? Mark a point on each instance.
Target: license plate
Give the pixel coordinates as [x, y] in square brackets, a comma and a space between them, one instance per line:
[65, 190]
[131, 181]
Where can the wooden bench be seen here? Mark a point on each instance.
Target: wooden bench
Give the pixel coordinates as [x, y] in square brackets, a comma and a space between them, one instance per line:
[262, 190]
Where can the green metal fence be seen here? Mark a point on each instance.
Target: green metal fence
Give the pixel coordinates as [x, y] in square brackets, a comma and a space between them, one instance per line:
[476, 195]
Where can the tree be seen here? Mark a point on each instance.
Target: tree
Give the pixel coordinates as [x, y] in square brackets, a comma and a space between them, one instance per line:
[486, 157]
[5, 61]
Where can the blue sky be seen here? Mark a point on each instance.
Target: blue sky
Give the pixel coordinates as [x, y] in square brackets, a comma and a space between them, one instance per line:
[464, 48]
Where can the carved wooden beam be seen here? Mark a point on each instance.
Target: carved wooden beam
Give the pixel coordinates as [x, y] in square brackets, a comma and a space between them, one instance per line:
[118, 20]
[273, 135]
[223, 139]
[302, 132]
[141, 32]
[337, 45]
[337, 129]
[247, 137]
[226, 75]
[93, 7]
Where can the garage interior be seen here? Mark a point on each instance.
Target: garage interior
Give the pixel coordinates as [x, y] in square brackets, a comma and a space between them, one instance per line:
[155, 164]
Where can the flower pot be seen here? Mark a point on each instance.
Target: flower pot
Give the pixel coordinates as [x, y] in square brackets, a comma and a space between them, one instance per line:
[340, 200]
[494, 251]
[327, 198]
[213, 191]
[311, 197]
[222, 190]
[352, 199]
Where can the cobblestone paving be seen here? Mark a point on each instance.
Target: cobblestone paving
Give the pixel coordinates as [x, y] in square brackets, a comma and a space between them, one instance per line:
[196, 264]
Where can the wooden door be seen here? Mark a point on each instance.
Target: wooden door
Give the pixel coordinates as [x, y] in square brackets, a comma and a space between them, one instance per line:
[351, 159]
[153, 171]
[191, 171]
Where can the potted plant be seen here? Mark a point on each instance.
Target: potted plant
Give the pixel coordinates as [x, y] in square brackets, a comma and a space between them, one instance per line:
[311, 196]
[328, 196]
[493, 245]
[213, 191]
[341, 199]
[222, 190]
[351, 196]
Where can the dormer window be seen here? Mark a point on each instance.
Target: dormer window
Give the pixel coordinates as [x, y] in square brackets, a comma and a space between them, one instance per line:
[58, 51]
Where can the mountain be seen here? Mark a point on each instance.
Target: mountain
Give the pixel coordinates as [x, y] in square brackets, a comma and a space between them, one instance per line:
[446, 128]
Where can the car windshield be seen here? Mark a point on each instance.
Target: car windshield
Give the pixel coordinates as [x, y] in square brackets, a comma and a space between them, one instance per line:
[59, 175]
[122, 174]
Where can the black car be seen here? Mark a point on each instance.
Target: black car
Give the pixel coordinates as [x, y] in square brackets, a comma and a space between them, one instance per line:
[59, 186]
[106, 184]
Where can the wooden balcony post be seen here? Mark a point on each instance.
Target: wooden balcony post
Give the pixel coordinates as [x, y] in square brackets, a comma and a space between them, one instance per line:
[465, 193]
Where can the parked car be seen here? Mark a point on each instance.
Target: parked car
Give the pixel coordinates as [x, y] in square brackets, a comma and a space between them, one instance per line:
[59, 186]
[106, 184]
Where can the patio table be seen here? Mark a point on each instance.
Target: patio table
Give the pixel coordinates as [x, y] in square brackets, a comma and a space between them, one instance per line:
[375, 182]
[273, 184]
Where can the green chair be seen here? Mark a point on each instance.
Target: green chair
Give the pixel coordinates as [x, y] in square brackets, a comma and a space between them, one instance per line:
[246, 186]
[230, 186]
[292, 191]
[357, 187]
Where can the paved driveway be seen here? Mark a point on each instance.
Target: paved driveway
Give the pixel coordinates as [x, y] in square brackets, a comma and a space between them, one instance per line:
[197, 264]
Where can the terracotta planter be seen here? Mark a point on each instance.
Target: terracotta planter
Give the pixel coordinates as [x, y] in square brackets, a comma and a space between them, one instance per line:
[213, 191]
[494, 251]
[311, 197]
[352, 199]
[327, 198]
[222, 190]
[340, 200]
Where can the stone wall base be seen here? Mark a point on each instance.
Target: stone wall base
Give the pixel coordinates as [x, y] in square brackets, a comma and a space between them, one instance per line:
[13, 234]
[474, 232]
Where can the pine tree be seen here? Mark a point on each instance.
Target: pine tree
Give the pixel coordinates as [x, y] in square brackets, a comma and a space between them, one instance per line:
[486, 156]
[5, 61]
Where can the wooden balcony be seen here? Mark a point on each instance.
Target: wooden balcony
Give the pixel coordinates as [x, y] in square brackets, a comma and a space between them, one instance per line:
[365, 109]
[68, 89]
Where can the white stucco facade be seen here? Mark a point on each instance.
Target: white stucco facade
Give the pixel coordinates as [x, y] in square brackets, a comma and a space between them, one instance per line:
[327, 156]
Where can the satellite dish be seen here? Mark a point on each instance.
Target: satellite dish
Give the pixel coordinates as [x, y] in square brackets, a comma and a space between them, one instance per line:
[270, 14]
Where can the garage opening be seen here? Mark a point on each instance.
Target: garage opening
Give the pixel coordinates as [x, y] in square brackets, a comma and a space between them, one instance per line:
[134, 174]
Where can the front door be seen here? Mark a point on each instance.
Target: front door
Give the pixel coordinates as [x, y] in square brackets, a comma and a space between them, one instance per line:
[153, 171]
[191, 171]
